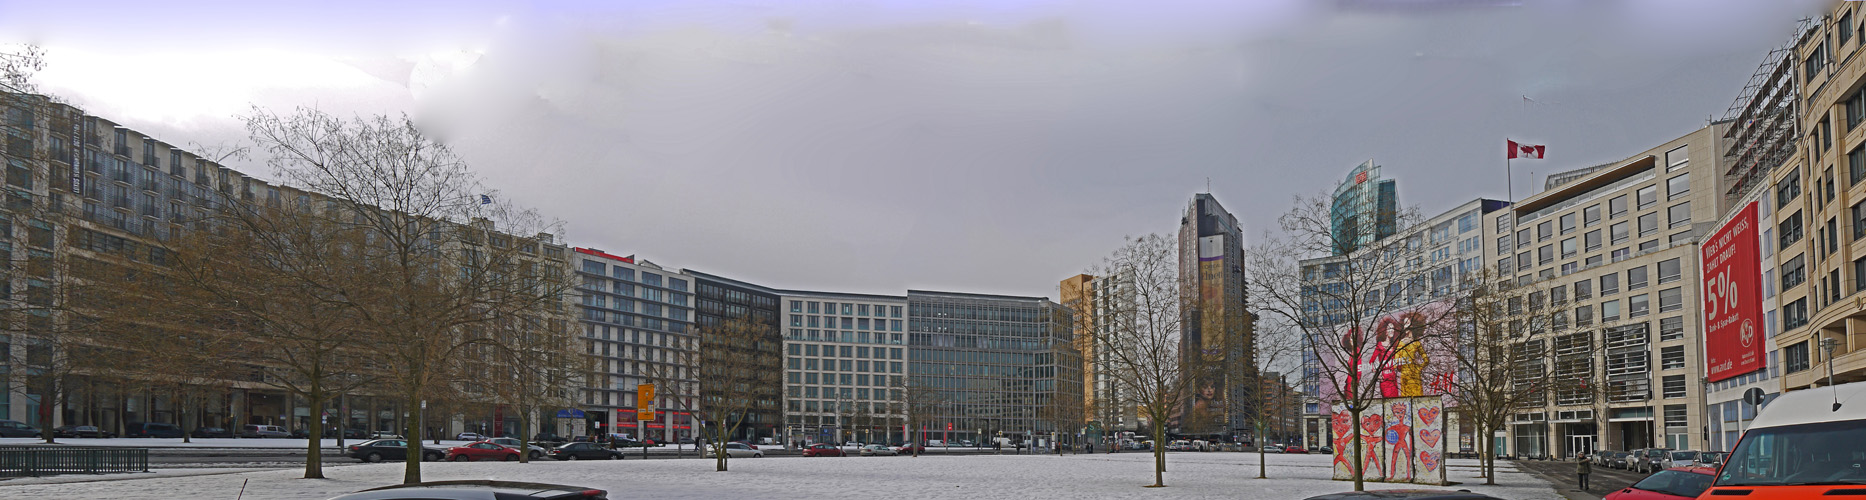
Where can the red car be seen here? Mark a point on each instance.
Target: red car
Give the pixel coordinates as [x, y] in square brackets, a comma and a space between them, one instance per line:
[909, 449]
[483, 450]
[1677, 483]
[824, 450]
[1296, 450]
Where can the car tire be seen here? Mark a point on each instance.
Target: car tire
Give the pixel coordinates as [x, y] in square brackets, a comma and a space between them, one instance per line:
[460, 458]
[535, 455]
[510, 458]
[615, 456]
[433, 457]
[570, 457]
[372, 457]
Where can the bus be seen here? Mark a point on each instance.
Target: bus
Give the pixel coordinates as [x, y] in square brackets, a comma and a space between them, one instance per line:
[1805, 444]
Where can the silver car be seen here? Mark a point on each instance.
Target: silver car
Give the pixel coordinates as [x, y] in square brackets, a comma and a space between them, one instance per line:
[875, 450]
[738, 450]
[513, 443]
[1646, 461]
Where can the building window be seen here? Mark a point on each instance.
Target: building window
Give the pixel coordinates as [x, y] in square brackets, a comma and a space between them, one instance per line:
[1545, 230]
[1788, 189]
[1609, 284]
[1790, 230]
[1856, 159]
[1648, 224]
[1671, 299]
[1610, 310]
[1673, 386]
[1545, 255]
[1677, 415]
[1619, 232]
[1795, 357]
[1591, 240]
[1678, 186]
[1679, 214]
[1669, 271]
[1672, 357]
[1794, 272]
[1638, 305]
[1583, 289]
[1845, 27]
[1648, 196]
[1567, 223]
[1617, 206]
[1636, 278]
[1859, 274]
[1590, 215]
[1815, 62]
[1672, 328]
[1795, 314]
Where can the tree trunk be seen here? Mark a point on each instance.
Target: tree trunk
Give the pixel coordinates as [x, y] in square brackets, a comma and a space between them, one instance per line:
[411, 465]
[524, 436]
[1263, 469]
[719, 448]
[1159, 452]
[1359, 483]
[182, 408]
[314, 448]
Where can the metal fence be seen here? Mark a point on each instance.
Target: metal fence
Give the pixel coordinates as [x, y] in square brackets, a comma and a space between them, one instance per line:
[24, 461]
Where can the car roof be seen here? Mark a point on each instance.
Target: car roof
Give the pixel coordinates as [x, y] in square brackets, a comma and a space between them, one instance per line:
[1811, 406]
[1708, 471]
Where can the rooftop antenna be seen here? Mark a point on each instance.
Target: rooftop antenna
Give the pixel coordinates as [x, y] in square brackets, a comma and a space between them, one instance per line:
[1208, 185]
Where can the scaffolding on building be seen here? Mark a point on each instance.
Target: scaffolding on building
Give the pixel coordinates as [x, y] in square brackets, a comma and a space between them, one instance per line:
[1764, 119]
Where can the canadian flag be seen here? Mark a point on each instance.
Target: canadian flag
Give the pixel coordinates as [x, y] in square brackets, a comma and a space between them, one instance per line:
[1525, 151]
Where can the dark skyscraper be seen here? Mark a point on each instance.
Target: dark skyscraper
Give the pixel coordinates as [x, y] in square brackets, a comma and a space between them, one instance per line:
[1218, 339]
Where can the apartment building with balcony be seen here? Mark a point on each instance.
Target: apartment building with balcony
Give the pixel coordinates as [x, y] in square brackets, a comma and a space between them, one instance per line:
[637, 322]
[845, 362]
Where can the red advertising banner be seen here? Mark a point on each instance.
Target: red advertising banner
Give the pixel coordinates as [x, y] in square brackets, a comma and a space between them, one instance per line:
[1732, 298]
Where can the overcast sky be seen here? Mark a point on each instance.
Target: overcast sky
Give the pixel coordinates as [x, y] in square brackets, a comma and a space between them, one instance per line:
[990, 146]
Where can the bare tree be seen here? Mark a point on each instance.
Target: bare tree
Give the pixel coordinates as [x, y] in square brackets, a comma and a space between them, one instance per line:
[1500, 354]
[1356, 312]
[1278, 344]
[674, 381]
[536, 360]
[733, 379]
[1141, 333]
[919, 403]
[443, 257]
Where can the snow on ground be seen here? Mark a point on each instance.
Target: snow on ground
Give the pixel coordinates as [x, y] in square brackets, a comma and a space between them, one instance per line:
[1189, 475]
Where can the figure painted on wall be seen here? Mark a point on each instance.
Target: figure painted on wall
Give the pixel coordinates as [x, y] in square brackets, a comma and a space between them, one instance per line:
[1399, 443]
[1343, 425]
[1370, 438]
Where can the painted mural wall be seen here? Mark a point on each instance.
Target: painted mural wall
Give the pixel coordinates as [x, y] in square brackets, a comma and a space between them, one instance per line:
[1402, 441]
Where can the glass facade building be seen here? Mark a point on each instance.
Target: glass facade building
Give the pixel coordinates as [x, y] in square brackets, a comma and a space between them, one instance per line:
[996, 363]
[722, 299]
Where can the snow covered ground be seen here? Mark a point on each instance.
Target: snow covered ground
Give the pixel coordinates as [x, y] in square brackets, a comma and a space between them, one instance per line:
[1189, 475]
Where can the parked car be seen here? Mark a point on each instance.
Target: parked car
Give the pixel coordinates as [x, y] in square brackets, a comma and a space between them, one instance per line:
[1712, 459]
[15, 428]
[483, 450]
[212, 432]
[584, 451]
[1621, 460]
[1602, 458]
[909, 449]
[1681, 483]
[385, 435]
[822, 450]
[377, 450]
[1681, 458]
[151, 430]
[875, 450]
[1325, 450]
[478, 489]
[469, 436]
[1405, 495]
[262, 431]
[622, 442]
[355, 433]
[1296, 450]
[738, 450]
[1275, 448]
[1647, 460]
[80, 431]
[549, 437]
[513, 443]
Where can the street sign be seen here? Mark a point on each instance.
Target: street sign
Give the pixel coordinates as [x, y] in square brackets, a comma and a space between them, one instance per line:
[1753, 396]
[570, 413]
[644, 402]
[949, 426]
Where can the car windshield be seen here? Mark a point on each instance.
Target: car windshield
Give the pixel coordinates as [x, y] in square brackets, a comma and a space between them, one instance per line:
[1675, 482]
[1817, 453]
[1684, 455]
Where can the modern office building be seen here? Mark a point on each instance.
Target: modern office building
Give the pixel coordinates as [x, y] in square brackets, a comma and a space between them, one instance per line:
[998, 366]
[720, 300]
[1617, 253]
[1364, 209]
[845, 362]
[1219, 331]
[1444, 251]
[638, 324]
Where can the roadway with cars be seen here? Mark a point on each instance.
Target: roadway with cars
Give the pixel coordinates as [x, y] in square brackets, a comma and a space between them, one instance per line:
[176, 457]
[1604, 480]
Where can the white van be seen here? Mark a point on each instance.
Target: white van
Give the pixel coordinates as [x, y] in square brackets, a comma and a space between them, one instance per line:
[1804, 444]
[262, 431]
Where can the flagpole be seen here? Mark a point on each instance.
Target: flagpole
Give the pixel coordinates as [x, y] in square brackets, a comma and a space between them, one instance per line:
[1509, 176]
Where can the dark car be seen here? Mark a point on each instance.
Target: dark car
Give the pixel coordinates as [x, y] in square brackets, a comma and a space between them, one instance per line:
[584, 451]
[151, 430]
[389, 449]
[478, 489]
[1680, 483]
[15, 429]
[1406, 495]
[549, 437]
[80, 431]
[212, 432]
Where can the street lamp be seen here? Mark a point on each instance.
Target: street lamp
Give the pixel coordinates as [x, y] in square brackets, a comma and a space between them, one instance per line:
[1828, 344]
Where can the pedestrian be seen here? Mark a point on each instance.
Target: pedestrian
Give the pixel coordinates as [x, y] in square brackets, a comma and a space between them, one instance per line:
[1583, 467]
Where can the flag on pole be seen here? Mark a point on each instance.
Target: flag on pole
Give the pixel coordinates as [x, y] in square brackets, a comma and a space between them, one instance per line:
[1518, 150]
